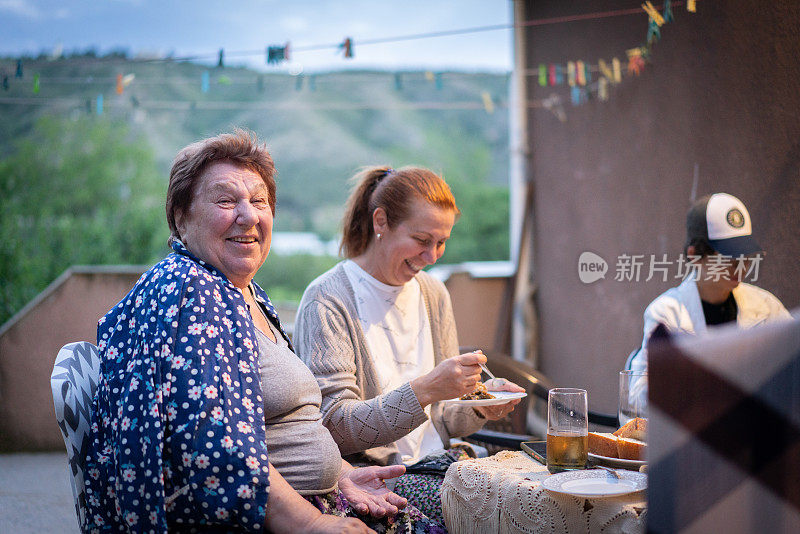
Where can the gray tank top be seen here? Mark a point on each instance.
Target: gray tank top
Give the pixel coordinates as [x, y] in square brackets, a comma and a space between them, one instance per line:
[300, 448]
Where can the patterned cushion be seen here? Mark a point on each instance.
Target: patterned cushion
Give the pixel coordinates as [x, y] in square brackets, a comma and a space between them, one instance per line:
[74, 381]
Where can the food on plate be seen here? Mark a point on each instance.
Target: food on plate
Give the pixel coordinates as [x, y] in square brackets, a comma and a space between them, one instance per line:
[631, 449]
[627, 443]
[635, 428]
[603, 444]
[479, 393]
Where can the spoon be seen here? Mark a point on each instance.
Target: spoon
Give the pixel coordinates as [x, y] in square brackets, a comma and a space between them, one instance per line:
[612, 471]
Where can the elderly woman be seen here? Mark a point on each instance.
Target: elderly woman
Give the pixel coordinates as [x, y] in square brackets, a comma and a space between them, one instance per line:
[380, 336]
[199, 381]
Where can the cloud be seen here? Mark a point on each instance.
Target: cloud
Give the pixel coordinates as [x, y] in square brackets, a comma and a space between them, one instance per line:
[21, 8]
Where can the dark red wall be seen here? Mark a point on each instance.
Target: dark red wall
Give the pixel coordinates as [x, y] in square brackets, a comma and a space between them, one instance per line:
[721, 93]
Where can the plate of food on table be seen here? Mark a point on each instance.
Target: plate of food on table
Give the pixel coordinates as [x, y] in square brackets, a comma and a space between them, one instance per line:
[624, 448]
[480, 396]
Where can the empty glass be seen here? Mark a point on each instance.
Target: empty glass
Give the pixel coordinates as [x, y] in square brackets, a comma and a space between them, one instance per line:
[632, 395]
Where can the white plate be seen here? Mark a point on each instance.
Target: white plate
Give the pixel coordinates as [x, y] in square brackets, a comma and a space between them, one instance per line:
[501, 397]
[595, 483]
[616, 462]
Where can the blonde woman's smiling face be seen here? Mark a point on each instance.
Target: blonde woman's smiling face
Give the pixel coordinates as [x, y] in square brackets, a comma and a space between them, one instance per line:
[229, 221]
[413, 244]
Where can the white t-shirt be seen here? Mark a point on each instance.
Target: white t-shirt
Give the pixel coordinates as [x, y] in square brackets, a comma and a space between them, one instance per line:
[398, 334]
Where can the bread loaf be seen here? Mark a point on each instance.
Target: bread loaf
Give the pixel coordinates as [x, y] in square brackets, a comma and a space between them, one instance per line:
[634, 429]
[631, 449]
[603, 444]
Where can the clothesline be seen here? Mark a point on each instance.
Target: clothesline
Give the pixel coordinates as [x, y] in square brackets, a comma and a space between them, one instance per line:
[398, 38]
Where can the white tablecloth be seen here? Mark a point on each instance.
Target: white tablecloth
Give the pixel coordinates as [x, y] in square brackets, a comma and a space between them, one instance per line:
[503, 494]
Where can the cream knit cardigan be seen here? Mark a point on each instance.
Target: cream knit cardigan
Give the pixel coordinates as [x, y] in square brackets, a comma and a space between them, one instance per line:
[364, 421]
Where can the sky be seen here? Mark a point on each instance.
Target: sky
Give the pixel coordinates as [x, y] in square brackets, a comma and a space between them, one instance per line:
[202, 27]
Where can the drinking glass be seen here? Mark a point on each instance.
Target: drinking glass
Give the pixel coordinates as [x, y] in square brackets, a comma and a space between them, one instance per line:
[632, 395]
[567, 429]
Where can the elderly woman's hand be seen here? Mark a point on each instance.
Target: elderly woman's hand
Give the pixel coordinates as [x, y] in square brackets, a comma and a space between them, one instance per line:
[500, 410]
[365, 490]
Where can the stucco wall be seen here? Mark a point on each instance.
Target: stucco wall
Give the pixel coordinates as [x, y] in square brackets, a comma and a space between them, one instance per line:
[29, 347]
[477, 308]
[722, 95]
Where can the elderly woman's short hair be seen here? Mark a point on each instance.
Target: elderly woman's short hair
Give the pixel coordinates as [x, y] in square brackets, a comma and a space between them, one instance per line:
[240, 148]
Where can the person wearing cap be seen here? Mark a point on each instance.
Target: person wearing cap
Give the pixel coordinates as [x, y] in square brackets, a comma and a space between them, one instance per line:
[720, 243]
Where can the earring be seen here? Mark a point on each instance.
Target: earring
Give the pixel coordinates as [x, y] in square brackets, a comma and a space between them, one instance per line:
[378, 236]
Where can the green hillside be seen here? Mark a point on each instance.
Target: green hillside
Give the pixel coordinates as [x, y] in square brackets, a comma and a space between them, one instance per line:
[320, 129]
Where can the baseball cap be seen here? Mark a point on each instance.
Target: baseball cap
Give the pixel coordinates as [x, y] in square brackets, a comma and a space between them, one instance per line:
[724, 222]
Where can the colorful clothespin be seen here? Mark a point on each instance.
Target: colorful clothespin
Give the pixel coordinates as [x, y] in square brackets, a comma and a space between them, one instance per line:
[559, 74]
[19, 69]
[134, 101]
[575, 95]
[36, 83]
[587, 74]
[120, 89]
[691, 6]
[668, 17]
[653, 13]
[277, 54]
[5, 82]
[602, 88]
[542, 75]
[580, 73]
[551, 71]
[605, 70]
[635, 61]
[438, 81]
[221, 60]
[128, 79]
[571, 73]
[398, 81]
[347, 47]
[653, 32]
[224, 80]
[99, 104]
[429, 75]
[488, 103]
[617, 69]
[204, 82]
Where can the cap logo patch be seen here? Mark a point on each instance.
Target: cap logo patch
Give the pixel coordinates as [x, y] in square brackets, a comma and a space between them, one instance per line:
[735, 218]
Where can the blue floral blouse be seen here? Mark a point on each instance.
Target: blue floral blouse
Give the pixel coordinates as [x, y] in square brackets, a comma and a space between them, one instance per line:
[177, 435]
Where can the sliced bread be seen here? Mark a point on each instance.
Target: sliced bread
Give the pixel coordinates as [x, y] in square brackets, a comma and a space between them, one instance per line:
[603, 444]
[631, 449]
[635, 428]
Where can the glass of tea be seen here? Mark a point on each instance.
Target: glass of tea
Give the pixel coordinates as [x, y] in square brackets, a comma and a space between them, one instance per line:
[632, 395]
[567, 429]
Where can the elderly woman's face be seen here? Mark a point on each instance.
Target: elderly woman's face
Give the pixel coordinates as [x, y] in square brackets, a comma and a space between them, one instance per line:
[229, 221]
[413, 244]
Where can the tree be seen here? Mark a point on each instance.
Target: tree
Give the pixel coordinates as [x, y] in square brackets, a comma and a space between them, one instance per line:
[481, 233]
[79, 191]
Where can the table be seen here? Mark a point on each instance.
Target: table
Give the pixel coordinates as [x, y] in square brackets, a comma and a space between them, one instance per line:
[503, 494]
